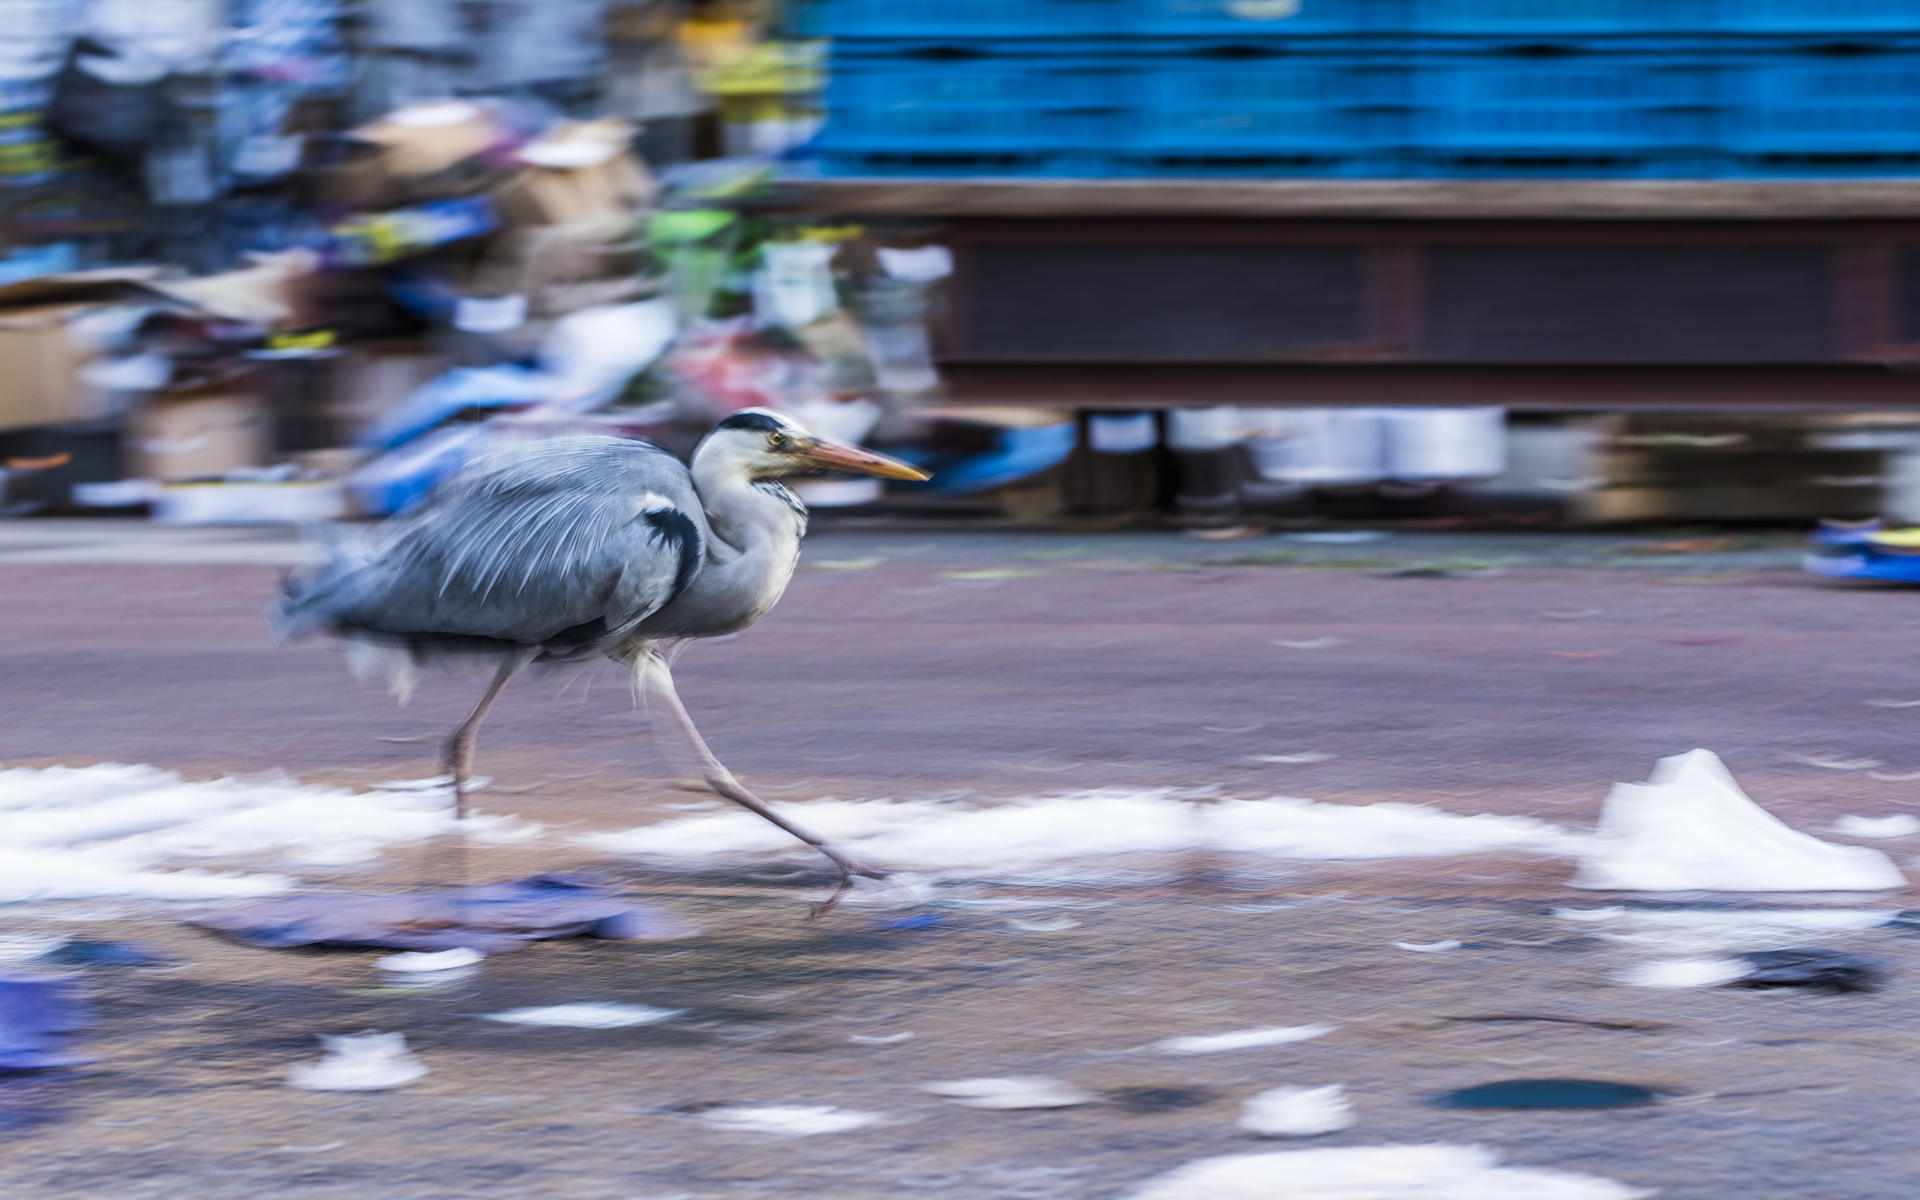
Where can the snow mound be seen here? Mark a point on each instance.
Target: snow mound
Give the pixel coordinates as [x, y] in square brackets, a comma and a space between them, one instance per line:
[1691, 828]
[1035, 834]
[72, 833]
[1437, 1172]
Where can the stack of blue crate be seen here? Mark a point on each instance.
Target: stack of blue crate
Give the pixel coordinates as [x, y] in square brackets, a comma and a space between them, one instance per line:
[1370, 88]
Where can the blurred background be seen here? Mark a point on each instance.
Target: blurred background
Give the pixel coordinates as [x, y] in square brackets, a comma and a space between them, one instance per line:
[1217, 263]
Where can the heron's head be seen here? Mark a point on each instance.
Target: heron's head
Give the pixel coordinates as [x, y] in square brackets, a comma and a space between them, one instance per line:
[764, 444]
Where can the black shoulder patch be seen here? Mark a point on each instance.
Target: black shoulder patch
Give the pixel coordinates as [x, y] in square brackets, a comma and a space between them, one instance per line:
[680, 533]
[752, 420]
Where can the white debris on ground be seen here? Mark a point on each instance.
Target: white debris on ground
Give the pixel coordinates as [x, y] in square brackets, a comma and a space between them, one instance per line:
[1298, 1111]
[361, 1062]
[586, 1016]
[793, 1120]
[1683, 972]
[1896, 826]
[1242, 1039]
[1034, 836]
[73, 833]
[1691, 828]
[1437, 1172]
[421, 962]
[1014, 1091]
[1683, 932]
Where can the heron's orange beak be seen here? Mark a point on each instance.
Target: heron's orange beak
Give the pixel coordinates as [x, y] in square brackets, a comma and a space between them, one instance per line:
[832, 456]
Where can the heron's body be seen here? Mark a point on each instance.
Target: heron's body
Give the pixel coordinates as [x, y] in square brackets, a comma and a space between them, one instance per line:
[578, 547]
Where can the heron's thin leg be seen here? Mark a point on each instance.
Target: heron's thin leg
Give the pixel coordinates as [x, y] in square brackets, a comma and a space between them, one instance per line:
[721, 780]
[457, 757]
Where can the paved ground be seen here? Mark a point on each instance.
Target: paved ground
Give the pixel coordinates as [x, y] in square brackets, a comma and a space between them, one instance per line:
[1507, 673]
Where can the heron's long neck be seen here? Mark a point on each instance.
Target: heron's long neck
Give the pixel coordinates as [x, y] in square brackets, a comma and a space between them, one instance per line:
[757, 531]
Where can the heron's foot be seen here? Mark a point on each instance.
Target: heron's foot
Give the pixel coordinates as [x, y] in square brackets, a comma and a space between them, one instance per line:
[847, 868]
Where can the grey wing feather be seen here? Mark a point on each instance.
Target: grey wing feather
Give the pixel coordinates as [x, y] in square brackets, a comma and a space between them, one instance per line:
[529, 543]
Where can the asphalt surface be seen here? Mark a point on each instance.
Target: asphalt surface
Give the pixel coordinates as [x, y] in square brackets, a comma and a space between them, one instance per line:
[1507, 673]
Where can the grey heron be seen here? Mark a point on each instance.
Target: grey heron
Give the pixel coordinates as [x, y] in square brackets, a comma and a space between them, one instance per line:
[578, 547]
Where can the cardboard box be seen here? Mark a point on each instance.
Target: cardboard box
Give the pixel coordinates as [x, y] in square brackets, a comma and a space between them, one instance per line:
[197, 433]
[39, 366]
[579, 173]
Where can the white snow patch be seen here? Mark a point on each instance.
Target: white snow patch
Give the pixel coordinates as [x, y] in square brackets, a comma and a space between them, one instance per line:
[1013, 1091]
[1895, 826]
[1683, 972]
[1242, 1039]
[363, 1062]
[1031, 835]
[69, 833]
[1437, 1172]
[423, 962]
[1691, 828]
[586, 1016]
[789, 1120]
[1298, 1111]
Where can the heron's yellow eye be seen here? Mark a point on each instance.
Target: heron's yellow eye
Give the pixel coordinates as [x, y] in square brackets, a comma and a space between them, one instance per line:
[776, 440]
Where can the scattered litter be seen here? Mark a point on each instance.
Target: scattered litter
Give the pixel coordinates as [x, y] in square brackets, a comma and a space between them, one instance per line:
[1571, 614]
[878, 1039]
[1429, 947]
[1298, 1111]
[1837, 764]
[846, 564]
[1309, 756]
[1548, 1093]
[1154, 1099]
[1233, 728]
[80, 952]
[1319, 643]
[1691, 828]
[1589, 914]
[362, 1062]
[1909, 777]
[36, 1013]
[1433, 1172]
[1036, 838]
[1015, 1091]
[491, 919]
[586, 1016]
[989, 574]
[1230, 533]
[1704, 641]
[25, 947]
[1683, 972]
[1821, 970]
[1896, 826]
[917, 921]
[790, 1120]
[1044, 924]
[1243, 1039]
[1687, 932]
[1895, 703]
[1582, 653]
[1438, 571]
[1338, 537]
[417, 962]
[319, 1149]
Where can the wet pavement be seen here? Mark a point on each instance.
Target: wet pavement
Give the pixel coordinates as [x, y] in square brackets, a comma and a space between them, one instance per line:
[1515, 674]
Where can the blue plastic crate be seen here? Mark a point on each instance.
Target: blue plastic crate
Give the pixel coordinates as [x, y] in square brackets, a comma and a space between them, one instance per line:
[1216, 101]
[1567, 18]
[1054, 163]
[1573, 103]
[1619, 162]
[1277, 19]
[958, 18]
[1804, 107]
[947, 98]
[1821, 16]
[1218, 163]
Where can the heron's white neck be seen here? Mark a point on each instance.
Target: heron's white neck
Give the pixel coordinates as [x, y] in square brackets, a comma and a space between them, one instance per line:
[756, 529]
